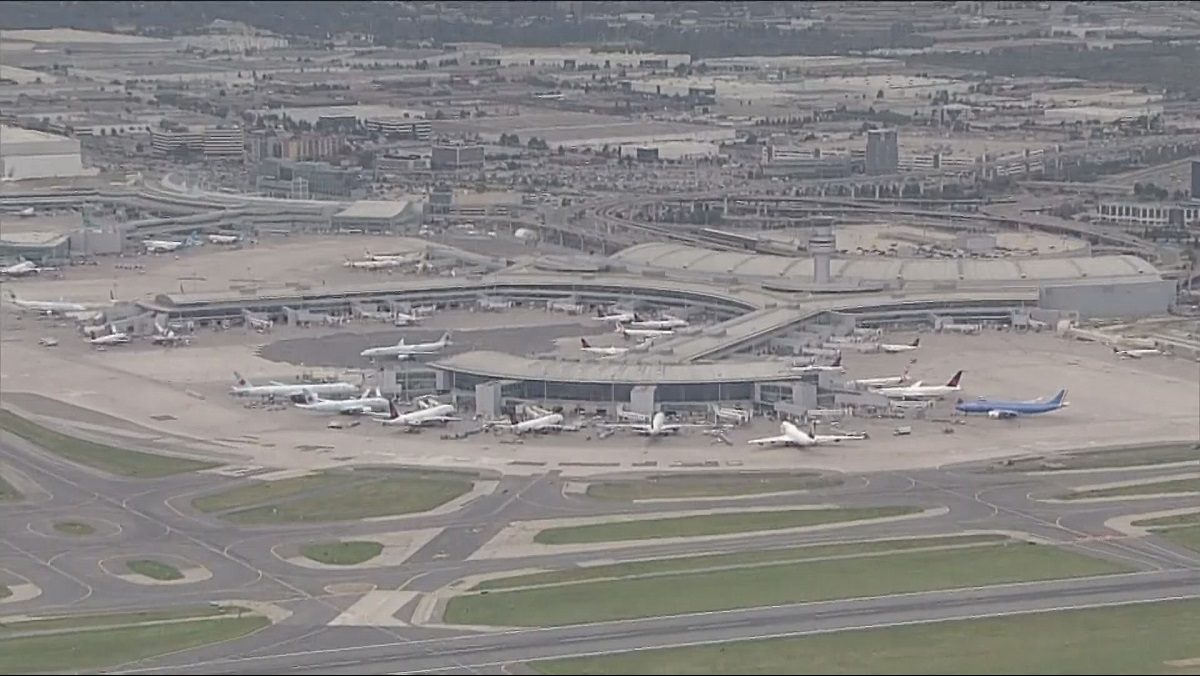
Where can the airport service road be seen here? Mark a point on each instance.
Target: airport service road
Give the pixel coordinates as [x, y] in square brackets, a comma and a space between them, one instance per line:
[486, 652]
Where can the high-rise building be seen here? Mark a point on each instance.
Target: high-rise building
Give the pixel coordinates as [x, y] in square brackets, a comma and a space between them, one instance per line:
[883, 152]
[1196, 178]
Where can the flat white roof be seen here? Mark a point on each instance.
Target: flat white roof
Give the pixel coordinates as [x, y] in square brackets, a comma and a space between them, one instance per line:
[22, 135]
[374, 209]
[72, 35]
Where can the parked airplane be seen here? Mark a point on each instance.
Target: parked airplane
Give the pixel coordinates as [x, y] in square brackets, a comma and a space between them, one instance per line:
[365, 404]
[608, 351]
[813, 368]
[625, 414]
[402, 350]
[1136, 353]
[26, 212]
[491, 305]
[1013, 409]
[564, 306]
[24, 268]
[892, 349]
[918, 390]
[47, 306]
[113, 337]
[404, 318]
[218, 238]
[643, 333]
[657, 427]
[258, 323]
[790, 435]
[667, 322]
[167, 336]
[619, 317]
[882, 381]
[735, 415]
[440, 413]
[543, 423]
[161, 245]
[245, 388]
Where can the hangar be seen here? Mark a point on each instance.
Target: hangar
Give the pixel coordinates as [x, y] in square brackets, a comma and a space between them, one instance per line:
[26, 153]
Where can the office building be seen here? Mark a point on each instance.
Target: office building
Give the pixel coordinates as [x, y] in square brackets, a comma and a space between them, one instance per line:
[456, 156]
[883, 152]
[212, 142]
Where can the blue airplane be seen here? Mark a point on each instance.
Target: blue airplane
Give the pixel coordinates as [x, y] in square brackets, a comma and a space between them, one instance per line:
[1012, 409]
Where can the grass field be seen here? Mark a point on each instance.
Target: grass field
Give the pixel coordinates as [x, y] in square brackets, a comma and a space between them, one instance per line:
[264, 492]
[7, 492]
[101, 620]
[1136, 639]
[154, 569]
[73, 528]
[342, 553]
[1124, 457]
[748, 558]
[100, 648]
[710, 524]
[1175, 486]
[1184, 536]
[706, 485]
[1177, 520]
[365, 493]
[103, 457]
[745, 587]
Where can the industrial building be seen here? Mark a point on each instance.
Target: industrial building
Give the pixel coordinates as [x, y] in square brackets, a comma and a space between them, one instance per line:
[883, 152]
[26, 153]
[400, 127]
[303, 180]
[457, 156]
[379, 217]
[1149, 215]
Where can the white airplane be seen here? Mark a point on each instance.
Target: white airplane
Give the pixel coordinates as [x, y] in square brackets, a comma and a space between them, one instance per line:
[918, 390]
[667, 322]
[625, 414]
[814, 368]
[643, 333]
[404, 318]
[657, 427]
[47, 306]
[402, 350]
[491, 305]
[24, 268]
[113, 337]
[618, 317]
[1137, 353]
[218, 238]
[161, 245]
[26, 212]
[440, 413]
[365, 404]
[882, 381]
[374, 265]
[551, 422]
[166, 336]
[424, 310]
[400, 258]
[608, 351]
[245, 388]
[790, 435]
[258, 323]
[909, 347]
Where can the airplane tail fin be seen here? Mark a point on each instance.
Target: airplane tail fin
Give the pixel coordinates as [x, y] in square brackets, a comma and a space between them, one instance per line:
[583, 343]
[445, 339]
[838, 360]
[240, 380]
[953, 382]
[916, 342]
[1058, 398]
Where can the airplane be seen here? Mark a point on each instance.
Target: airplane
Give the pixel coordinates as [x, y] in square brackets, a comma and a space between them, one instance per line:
[625, 414]
[424, 310]
[245, 388]
[1013, 409]
[422, 416]
[813, 368]
[217, 238]
[608, 351]
[618, 317]
[882, 381]
[668, 322]
[918, 390]
[166, 336]
[1137, 353]
[113, 337]
[643, 333]
[790, 435]
[374, 264]
[404, 318]
[657, 427]
[46, 306]
[365, 404]
[892, 349]
[161, 245]
[24, 268]
[489, 305]
[258, 323]
[404, 351]
[399, 258]
[26, 212]
[543, 423]
[564, 306]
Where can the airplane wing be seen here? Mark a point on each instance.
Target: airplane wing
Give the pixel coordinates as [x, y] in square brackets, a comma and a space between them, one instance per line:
[767, 441]
[1005, 413]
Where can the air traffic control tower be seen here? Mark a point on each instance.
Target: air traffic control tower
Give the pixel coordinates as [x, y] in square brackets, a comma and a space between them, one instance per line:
[821, 245]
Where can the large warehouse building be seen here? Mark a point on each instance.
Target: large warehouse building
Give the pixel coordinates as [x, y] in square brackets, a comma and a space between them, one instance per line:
[25, 153]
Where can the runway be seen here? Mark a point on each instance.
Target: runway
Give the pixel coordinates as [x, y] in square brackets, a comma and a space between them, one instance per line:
[154, 518]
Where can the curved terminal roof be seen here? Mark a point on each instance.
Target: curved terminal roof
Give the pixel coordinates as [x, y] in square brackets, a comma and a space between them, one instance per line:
[967, 271]
[502, 366]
